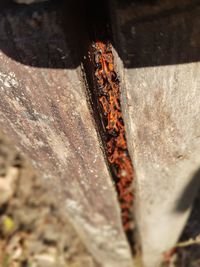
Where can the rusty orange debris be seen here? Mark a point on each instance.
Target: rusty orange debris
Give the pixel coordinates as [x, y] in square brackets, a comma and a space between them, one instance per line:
[118, 156]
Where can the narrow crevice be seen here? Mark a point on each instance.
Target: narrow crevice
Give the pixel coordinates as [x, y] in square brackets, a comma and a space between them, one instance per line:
[104, 93]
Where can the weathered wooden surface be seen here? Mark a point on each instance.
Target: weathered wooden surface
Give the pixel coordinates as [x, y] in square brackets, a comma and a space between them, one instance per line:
[159, 46]
[43, 109]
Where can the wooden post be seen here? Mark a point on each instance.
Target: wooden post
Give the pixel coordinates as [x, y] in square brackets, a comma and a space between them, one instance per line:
[158, 48]
[44, 111]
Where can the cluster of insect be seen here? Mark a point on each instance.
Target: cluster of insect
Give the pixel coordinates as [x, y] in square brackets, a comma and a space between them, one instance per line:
[117, 153]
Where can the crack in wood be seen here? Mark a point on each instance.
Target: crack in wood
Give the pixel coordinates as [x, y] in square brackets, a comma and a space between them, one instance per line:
[104, 94]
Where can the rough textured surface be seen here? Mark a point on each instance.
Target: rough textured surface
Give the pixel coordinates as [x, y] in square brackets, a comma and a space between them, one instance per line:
[44, 110]
[158, 44]
[34, 230]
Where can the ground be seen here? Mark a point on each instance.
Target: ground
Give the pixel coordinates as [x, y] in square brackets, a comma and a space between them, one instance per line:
[34, 232]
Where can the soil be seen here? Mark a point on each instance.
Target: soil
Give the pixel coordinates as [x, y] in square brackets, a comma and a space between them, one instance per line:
[34, 232]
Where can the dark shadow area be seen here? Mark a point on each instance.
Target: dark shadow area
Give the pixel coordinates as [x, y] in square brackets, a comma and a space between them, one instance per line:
[192, 228]
[154, 33]
[189, 193]
[144, 33]
[52, 34]
[190, 255]
[39, 35]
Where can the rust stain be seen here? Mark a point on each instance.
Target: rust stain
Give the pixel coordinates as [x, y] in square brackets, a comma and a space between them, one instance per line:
[116, 145]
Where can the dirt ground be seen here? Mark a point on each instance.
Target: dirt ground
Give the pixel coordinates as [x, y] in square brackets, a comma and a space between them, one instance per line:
[33, 230]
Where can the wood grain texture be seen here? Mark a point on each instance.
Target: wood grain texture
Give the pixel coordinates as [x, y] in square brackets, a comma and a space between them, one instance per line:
[158, 47]
[43, 109]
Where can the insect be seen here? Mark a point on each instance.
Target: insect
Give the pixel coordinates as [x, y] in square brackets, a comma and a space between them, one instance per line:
[116, 146]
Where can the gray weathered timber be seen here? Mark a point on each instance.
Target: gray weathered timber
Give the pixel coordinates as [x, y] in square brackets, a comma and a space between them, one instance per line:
[45, 112]
[158, 47]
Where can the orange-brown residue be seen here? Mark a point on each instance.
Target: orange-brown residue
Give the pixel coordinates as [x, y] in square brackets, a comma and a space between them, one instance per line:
[118, 157]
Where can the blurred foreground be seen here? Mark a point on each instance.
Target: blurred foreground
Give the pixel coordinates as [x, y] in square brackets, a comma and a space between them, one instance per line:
[33, 231]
